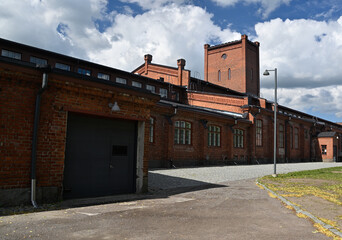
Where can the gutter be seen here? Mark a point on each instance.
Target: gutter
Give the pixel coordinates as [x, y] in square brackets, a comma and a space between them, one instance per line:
[45, 70]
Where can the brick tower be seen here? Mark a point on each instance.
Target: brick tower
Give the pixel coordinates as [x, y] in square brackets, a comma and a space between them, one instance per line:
[234, 65]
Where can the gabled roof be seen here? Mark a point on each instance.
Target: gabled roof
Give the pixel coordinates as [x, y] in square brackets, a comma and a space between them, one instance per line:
[326, 134]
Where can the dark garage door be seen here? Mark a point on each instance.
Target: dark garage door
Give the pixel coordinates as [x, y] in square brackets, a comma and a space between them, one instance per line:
[100, 157]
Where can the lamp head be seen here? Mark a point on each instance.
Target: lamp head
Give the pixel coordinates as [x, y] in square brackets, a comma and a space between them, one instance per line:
[266, 73]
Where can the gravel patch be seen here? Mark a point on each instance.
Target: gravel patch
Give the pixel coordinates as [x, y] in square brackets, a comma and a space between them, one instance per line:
[188, 177]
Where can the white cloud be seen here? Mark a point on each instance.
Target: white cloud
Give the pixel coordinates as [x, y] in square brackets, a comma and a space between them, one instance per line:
[307, 54]
[154, 4]
[267, 6]
[35, 23]
[168, 33]
[322, 100]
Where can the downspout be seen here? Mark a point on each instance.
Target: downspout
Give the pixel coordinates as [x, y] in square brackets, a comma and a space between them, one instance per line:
[45, 70]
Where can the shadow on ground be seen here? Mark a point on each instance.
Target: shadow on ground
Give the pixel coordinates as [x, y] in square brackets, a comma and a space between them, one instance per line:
[160, 186]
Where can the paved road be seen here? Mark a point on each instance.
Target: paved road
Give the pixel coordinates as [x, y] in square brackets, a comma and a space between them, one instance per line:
[184, 177]
[225, 210]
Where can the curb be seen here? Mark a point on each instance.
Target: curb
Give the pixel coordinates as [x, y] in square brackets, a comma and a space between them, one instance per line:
[299, 210]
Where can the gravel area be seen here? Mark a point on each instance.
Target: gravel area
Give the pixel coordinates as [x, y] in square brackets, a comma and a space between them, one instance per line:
[189, 177]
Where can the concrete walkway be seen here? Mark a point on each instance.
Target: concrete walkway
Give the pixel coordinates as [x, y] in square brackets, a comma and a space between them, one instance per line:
[231, 210]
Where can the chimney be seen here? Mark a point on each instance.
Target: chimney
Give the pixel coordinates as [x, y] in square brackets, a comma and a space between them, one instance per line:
[181, 64]
[148, 60]
[206, 46]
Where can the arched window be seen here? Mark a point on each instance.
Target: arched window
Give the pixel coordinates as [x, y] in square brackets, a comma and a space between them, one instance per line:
[219, 75]
[229, 74]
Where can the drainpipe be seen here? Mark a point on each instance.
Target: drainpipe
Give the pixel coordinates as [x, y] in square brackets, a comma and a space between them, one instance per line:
[45, 70]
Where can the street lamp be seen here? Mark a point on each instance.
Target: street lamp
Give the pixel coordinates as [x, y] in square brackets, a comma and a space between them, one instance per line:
[266, 73]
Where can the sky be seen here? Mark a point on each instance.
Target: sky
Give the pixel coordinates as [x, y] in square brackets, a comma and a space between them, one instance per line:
[301, 38]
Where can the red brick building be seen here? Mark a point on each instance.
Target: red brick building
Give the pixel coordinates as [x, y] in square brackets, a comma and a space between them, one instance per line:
[71, 128]
[232, 85]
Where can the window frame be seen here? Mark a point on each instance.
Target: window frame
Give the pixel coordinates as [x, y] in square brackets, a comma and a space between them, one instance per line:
[238, 138]
[165, 94]
[152, 130]
[281, 136]
[187, 133]
[324, 149]
[296, 138]
[63, 66]
[259, 133]
[103, 76]
[38, 61]
[153, 88]
[136, 84]
[214, 136]
[11, 54]
[291, 137]
[121, 80]
[84, 71]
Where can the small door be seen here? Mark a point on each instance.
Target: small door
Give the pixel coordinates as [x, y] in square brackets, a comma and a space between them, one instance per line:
[99, 157]
[335, 153]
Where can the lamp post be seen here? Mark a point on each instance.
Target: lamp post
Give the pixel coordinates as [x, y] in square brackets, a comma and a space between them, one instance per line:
[266, 73]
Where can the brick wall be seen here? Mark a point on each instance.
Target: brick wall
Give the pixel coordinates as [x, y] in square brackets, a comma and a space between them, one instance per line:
[220, 102]
[64, 94]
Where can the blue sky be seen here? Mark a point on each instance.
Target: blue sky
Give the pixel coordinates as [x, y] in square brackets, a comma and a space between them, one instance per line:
[303, 39]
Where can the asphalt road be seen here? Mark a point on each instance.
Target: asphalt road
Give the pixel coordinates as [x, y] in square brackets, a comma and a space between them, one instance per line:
[225, 210]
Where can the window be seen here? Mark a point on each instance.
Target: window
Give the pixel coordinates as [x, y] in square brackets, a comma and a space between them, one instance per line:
[163, 92]
[324, 149]
[229, 74]
[103, 76]
[238, 138]
[214, 136]
[121, 80]
[84, 71]
[224, 56]
[10, 54]
[175, 96]
[281, 136]
[219, 75]
[38, 61]
[291, 137]
[136, 84]
[151, 88]
[306, 134]
[182, 133]
[151, 129]
[62, 66]
[258, 132]
[296, 138]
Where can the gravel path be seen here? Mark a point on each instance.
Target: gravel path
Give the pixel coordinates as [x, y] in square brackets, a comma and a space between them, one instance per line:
[188, 177]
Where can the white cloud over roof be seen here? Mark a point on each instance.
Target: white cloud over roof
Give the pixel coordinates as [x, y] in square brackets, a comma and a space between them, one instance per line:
[306, 52]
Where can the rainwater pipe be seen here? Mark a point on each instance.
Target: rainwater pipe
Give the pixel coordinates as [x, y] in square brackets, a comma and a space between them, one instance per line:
[45, 70]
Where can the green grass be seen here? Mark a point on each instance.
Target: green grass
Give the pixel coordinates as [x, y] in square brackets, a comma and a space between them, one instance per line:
[325, 173]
